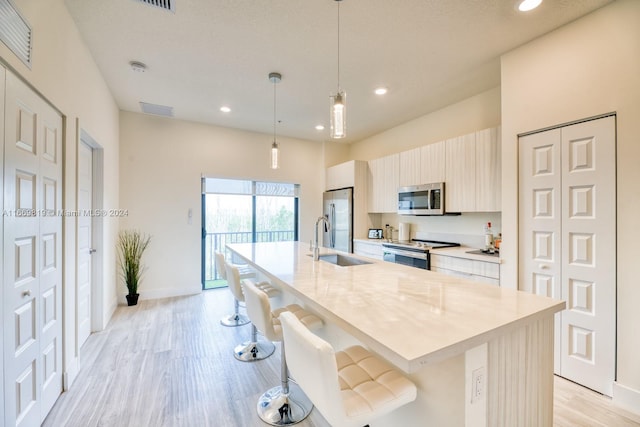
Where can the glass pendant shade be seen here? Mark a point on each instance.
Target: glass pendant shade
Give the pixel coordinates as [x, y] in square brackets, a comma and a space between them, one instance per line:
[275, 150]
[338, 115]
[275, 163]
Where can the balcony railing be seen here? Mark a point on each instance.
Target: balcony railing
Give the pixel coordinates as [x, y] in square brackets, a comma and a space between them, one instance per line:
[217, 242]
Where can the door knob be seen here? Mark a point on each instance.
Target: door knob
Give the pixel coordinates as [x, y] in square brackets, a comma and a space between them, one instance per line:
[544, 267]
[91, 250]
[26, 293]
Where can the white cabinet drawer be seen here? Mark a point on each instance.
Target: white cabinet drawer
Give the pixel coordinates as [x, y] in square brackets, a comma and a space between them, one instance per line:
[371, 250]
[473, 277]
[469, 268]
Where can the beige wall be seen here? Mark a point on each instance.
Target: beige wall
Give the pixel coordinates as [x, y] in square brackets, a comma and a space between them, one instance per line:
[586, 68]
[478, 112]
[335, 153]
[161, 163]
[64, 72]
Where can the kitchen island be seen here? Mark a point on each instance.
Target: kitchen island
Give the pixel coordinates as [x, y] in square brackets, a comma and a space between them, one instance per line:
[480, 355]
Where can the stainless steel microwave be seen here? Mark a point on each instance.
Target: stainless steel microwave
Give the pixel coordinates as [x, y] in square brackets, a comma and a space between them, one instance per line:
[426, 199]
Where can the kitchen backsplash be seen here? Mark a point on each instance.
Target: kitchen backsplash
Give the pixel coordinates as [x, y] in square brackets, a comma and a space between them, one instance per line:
[466, 229]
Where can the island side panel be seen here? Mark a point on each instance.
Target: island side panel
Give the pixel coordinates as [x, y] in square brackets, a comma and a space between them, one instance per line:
[520, 383]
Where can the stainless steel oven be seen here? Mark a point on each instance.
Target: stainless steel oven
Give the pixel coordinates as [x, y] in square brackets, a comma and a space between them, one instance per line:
[414, 253]
[413, 258]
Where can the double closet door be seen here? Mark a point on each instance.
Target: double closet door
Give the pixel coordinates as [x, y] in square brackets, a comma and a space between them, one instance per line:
[31, 132]
[567, 235]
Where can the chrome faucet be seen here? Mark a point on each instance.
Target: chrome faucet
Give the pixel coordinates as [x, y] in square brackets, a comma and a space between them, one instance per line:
[327, 227]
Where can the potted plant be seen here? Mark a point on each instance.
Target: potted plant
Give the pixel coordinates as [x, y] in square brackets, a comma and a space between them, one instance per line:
[131, 246]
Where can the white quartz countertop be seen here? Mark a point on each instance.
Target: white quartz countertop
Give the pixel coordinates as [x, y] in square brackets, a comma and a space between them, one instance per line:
[410, 316]
[463, 252]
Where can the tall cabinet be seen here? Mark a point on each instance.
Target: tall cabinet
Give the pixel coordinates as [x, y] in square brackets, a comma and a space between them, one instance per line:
[354, 173]
[567, 239]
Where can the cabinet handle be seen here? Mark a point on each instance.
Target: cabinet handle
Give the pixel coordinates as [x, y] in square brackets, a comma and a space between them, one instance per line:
[26, 293]
[92, 251]
[544, 267]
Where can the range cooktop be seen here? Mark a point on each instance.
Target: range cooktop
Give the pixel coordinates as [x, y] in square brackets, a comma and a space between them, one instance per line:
[419, 245]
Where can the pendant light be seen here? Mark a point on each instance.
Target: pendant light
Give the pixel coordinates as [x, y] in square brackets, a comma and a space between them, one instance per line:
[275, 150]
[338, 102]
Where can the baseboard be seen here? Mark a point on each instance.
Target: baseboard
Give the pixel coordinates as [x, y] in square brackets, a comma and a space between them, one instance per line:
[164, 293]
[70, 374]
[626, 398]
[111, 310]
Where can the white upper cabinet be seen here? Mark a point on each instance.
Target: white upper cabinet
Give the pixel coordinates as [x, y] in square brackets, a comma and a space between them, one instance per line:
[488, 170]
[410, 168]
[432, 163]
[460, 170]
[383, 184]
[469, 165]
[473, 172]
[340, 176]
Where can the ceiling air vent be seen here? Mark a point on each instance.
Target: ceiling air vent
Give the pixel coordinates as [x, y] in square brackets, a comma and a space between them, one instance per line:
[156, 110]
[162, 4]
[15, 32]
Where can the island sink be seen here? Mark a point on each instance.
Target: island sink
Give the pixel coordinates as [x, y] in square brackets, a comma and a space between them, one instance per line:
[342, 260]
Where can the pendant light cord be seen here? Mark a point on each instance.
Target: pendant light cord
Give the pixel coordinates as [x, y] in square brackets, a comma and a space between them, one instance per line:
[274, 110]
[338, 45]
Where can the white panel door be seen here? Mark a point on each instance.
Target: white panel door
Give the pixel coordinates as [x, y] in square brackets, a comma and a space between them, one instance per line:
[589, 253]
[85, 197]
[540, 220]
[567, 212]
[32, 256]
[2, 83]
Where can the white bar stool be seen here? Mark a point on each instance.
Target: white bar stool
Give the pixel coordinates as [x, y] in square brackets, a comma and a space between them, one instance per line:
[285, 404]
[351, 387]
[235, 319]
[256, 348]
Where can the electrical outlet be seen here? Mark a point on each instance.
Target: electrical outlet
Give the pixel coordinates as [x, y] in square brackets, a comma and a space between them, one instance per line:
[477, 384]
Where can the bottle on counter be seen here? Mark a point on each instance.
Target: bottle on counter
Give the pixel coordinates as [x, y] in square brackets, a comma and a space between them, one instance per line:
[497, 241]
[488, 236]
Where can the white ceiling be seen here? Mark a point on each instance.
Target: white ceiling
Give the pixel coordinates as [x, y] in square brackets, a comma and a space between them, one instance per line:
[209, 53]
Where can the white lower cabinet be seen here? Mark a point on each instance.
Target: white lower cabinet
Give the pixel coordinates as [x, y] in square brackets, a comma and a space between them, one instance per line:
[368, 249]
[480, 271]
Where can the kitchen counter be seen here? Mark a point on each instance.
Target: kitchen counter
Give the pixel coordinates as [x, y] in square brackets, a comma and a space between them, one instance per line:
[416, 319]
[389, 305]
[457, 251]
[463, 252]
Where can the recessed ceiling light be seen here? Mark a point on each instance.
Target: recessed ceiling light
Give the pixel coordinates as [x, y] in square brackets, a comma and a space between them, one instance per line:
[225, 109]
[319, 127]
[527, 5]
[381, 91]
[138, 66]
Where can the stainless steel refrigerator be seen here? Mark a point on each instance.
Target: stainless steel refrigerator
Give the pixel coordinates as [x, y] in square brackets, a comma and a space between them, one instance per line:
[338, 208]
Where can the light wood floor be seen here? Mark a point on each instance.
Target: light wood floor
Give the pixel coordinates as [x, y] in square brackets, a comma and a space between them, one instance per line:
[169, 363]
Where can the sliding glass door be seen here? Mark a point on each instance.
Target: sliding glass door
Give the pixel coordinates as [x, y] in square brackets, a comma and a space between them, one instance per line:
[239, 211]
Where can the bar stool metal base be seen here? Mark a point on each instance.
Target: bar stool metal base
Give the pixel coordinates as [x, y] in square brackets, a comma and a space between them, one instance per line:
[280, 409]
[233, 320]
[251, 351]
